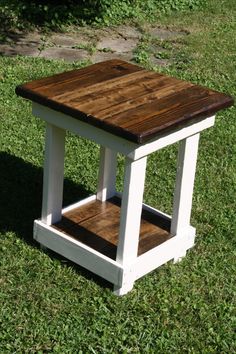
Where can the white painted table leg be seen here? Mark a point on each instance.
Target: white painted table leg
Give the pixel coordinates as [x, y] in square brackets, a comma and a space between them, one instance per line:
[131, 209]
[107, 174]
[187, 160]
[53, 174]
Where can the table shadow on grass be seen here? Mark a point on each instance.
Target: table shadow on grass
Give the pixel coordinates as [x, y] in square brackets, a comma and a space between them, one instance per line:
[21, 199]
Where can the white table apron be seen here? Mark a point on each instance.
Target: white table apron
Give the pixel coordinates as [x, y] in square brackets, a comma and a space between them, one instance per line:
[127, 267]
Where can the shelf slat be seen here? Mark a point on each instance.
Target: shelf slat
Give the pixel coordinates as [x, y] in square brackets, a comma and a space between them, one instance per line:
[96, 224]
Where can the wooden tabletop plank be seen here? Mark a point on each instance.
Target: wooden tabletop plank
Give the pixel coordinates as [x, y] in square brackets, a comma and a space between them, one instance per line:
[73, 81]
[178, 113]
[182, 99]
[100, 90]
[125, 99]
[120, 99]
[142, 99]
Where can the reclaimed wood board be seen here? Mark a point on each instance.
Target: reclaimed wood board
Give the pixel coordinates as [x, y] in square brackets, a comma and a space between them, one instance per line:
[97, 225]
[125, 99]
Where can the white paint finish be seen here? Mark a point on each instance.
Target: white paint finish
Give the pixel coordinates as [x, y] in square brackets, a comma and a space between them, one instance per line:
[179, 257]
[120, 291]
[127, 267]
[131, 208]
[132, 150]
[181, 250]
[107, 174]
[130, 218]
[53, 176]
[128, 279]
[122, 277]
[106, 267]
[156, 212]
[83, 129]
[186, 166]
[163, 253]
[78, 204]
[78, 252]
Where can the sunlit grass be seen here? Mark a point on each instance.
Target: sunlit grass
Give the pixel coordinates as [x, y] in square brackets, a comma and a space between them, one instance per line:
[48, 305]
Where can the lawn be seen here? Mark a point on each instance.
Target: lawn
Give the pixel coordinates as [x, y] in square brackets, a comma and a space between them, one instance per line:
[49, 305]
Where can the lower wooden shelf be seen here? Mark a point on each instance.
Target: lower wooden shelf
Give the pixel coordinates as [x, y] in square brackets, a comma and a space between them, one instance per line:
[96, 224]
[88, 235]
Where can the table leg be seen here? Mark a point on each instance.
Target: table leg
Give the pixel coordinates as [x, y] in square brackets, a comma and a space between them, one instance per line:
[53, 176]
[131, 209]
[107, 174]
[187, 160]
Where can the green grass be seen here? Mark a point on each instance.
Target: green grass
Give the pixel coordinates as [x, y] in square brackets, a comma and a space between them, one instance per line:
[49, 305]
[48, 15]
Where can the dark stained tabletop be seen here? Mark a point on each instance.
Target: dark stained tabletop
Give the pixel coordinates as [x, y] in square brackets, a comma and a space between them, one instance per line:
[125, 99]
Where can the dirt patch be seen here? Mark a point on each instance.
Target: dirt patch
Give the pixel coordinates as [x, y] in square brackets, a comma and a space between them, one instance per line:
[12, 50]
[166, 34]
[101, 56]
[68, 40]
[66, 54]
[117, 45]
[128, 32]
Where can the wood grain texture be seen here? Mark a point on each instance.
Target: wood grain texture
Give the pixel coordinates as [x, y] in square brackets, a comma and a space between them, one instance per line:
[125, 99]
[97, 225]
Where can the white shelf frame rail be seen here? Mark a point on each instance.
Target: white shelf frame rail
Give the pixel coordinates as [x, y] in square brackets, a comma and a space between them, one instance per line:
[107, 268]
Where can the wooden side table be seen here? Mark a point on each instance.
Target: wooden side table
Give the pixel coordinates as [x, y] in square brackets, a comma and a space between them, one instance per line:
[135, 112]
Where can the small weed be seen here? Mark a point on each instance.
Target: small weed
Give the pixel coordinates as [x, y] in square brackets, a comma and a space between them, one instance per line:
[162, 55]
[106, 50]
[3, 37]
[90, 47]
[44, 43]
[142, 56]
[150, 47]
[165, 44]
